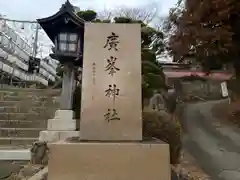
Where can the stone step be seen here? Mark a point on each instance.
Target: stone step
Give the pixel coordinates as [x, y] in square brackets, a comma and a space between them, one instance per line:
[17, 141]
[30, 91]
[23, 124]
[25, 97]
[20, 155]
[8, 103]
[17, 97]
[19, 116]
[15, 147]
[31, 116]
[28, 102]
[20, 132]
[21, 109]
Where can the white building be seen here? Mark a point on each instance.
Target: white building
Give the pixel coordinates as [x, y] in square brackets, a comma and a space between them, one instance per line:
[15, 55]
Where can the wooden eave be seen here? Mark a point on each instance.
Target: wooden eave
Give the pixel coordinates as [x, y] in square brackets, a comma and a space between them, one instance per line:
[67, 10]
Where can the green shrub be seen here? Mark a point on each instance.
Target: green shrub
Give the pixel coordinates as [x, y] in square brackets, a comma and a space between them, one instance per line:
[161, 126]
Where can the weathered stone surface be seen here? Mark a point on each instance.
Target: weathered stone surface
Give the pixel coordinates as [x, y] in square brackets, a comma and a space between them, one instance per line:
[5, 141]
[20, 132]
[109, 161]
[16, 141]
[54, 136]
[29, 170]
[24, 113]
[7, 168]
[41, 175]
[8, 103]
[61, 125]
[19, 116]
[23, 123]
[117, 115]
[21, 109]
[39, 153]
[157, 102]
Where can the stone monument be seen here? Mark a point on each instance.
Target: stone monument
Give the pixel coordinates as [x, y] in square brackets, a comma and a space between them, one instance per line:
[111, 84]
[156, 102]
[111, 146]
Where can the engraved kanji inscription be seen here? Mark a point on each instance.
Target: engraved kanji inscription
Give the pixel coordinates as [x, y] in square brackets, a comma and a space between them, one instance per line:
[93, 76]
[94, 73]
[111, 67]
[112, 91]
[111, 115]
[112, 42]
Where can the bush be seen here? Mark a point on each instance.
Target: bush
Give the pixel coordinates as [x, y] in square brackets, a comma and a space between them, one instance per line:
[161, 126]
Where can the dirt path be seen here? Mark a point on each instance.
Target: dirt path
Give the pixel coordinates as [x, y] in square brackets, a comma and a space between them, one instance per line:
[215, 147]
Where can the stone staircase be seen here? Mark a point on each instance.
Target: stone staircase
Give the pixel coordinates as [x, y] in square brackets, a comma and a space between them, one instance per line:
[24, 113]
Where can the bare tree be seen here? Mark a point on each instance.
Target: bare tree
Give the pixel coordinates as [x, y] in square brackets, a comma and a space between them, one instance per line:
[105, 14]
[145, 13]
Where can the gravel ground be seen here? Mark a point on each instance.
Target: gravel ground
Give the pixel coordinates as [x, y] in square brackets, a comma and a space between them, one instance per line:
[188, 165]
[17, 170]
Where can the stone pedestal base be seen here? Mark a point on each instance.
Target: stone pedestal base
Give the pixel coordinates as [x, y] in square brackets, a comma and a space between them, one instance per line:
[62, 126]
[109, 161]
[54, 136]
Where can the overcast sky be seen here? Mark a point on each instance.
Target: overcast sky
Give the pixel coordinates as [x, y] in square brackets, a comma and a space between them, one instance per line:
[33, 9]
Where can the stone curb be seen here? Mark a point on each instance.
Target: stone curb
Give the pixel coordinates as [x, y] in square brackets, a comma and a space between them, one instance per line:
[41, 175]
[15, 154]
